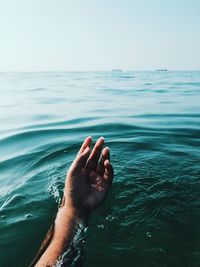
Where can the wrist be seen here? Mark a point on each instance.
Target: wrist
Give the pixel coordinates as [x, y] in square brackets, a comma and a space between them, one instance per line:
[70, 211]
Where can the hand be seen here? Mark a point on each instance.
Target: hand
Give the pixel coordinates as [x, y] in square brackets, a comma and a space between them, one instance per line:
[89, 177]
[88, 181]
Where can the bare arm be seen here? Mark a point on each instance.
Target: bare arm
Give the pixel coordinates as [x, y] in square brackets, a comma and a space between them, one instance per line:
[87, 183]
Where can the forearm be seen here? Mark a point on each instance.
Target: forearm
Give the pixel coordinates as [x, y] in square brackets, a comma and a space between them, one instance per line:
[66, 224]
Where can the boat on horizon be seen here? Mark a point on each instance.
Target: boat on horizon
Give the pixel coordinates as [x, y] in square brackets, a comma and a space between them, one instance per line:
[117, 70]
[164, 69]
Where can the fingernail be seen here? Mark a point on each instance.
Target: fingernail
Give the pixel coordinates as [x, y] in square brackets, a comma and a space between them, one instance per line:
[87, 149]
[106, 162]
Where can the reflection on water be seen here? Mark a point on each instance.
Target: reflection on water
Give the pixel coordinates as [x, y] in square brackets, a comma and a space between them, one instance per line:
[151, 123]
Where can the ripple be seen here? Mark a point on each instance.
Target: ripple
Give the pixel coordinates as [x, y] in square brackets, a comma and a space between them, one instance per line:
[149, 120]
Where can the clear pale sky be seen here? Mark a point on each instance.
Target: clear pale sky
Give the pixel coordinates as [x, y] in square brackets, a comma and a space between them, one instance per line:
[99, 34]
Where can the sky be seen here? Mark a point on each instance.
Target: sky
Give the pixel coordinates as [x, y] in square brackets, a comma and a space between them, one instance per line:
[84, 35]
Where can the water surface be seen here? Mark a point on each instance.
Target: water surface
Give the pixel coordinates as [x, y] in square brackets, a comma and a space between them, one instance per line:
[151, 122]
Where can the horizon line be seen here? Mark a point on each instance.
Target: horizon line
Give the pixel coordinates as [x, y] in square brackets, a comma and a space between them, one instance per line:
[107, 70]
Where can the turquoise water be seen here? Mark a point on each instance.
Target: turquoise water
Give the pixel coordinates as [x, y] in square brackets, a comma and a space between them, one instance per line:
[151, 122]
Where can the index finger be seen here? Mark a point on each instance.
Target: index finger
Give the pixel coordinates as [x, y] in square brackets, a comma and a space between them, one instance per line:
[87, 142]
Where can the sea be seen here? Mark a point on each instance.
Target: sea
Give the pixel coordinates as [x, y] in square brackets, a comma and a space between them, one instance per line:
[150, 121]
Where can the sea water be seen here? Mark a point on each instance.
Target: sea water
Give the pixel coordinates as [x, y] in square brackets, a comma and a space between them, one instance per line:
[150, 121]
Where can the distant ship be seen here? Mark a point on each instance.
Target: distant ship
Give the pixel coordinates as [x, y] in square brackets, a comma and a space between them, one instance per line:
[117, 70]
[162, 70]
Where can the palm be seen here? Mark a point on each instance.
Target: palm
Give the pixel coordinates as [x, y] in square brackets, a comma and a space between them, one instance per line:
[90, 176]
[95, 189]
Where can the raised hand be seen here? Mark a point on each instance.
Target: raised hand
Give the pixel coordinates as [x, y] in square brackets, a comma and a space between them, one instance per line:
[87, 183]
[89, 177]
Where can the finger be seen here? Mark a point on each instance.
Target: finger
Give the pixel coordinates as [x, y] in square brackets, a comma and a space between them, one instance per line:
[108, 174]
[80, 161]
[100, 189]
[101, 182]
[96, 179]
[104, 156]
[87, 142]
[95, 154]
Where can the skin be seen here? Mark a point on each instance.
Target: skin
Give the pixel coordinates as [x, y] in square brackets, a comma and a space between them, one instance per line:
[87, 183]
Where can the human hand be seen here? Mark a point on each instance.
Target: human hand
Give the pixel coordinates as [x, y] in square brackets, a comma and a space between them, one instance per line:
[87, 183]
[89, 177]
